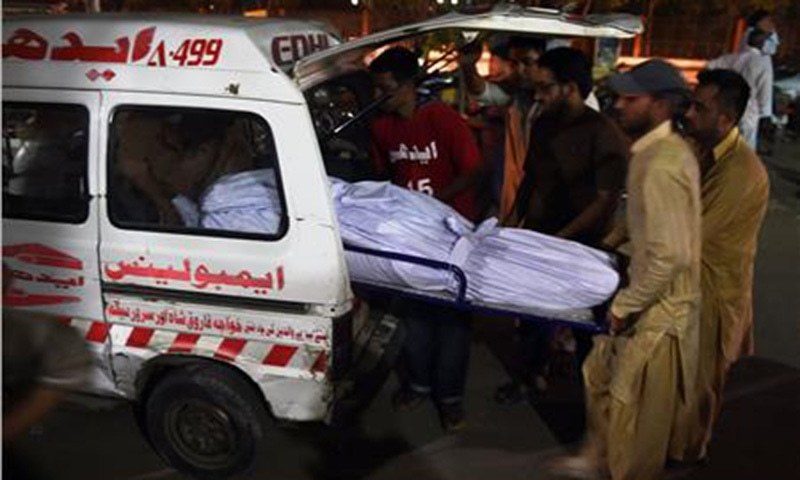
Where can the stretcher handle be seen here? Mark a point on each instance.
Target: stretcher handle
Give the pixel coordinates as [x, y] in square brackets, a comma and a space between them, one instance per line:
[425, 262]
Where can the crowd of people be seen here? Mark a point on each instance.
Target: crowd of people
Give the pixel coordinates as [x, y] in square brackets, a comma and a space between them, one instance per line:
[673, 184]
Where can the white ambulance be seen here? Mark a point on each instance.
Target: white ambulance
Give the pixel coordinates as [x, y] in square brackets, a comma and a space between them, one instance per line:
[107, 122]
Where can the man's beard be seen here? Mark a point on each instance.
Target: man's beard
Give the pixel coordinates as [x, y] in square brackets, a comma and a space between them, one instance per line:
[557, 110]
[706, 138]
[638, 128]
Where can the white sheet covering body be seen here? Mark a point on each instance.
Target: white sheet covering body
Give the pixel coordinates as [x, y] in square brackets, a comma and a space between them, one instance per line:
[503, 265]
[239, 202]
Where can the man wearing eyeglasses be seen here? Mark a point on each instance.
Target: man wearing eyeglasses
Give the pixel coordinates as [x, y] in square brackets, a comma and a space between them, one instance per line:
[574, 175]
[575, 168]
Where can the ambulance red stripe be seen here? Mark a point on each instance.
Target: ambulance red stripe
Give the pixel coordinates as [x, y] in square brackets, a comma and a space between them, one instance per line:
[230, 348]
[140, 337]
[280, 355]
[98, 332]
[184, 343]
[321, 364]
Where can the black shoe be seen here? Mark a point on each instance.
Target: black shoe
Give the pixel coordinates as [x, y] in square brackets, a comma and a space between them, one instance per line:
[452, 417]
[405, 400]
[510, 393]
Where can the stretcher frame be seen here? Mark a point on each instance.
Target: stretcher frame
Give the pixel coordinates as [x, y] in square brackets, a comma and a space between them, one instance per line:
[588, 319]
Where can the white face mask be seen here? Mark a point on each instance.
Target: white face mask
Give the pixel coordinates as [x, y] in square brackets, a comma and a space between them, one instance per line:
[770, 46]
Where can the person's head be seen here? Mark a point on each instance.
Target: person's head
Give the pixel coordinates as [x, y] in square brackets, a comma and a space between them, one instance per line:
[762, 20]
[757, 38]
[524, 53]
[717, 105]
[649, 94]
[394, 73]
[189, 173]
[213, 145]
[563, 79]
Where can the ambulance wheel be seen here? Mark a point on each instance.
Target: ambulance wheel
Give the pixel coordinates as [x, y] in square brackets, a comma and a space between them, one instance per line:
[205, 421]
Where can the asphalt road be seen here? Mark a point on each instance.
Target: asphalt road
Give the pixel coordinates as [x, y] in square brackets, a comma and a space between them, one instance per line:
[758, 435]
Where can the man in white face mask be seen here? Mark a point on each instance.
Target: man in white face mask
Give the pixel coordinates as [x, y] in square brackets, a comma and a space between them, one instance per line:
[754, 64]
[762, 20]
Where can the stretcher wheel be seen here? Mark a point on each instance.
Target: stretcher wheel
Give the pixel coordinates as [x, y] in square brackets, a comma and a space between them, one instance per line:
[205, 421]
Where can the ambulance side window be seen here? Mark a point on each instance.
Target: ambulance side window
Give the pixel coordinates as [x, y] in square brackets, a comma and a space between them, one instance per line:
[45, 162]
[194, 171]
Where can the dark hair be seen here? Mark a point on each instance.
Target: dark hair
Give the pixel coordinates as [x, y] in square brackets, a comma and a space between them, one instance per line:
[569, 65]
[401, 62]
[756, 37]
[757, 16]
[523, 42]
[733, 90]
[197, 128]
[500, 50]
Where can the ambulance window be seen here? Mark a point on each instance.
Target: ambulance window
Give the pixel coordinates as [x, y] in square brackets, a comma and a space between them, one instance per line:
[194, 171]
[45, 159]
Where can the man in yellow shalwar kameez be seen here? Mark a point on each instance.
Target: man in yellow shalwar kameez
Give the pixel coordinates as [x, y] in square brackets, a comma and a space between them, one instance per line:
[735, 191]
[639, 378]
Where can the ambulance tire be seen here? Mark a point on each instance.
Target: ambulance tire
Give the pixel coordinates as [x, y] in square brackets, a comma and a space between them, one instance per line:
[205, 421]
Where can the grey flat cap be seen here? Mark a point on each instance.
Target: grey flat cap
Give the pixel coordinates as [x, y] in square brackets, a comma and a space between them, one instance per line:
[652, 76]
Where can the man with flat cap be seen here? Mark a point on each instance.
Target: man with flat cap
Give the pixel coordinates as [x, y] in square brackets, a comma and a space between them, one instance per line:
[640, 376]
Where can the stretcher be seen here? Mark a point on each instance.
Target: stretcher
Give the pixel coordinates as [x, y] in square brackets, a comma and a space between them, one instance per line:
[588, 319]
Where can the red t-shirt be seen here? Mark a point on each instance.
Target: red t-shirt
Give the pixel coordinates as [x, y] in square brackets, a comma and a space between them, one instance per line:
[427, 152]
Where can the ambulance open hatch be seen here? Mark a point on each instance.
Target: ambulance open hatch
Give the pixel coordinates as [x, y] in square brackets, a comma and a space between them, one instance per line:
[510, 19]
[338, 93]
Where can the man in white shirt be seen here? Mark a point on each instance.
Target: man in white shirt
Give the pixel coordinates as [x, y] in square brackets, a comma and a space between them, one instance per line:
[762, 20]
[755, 65]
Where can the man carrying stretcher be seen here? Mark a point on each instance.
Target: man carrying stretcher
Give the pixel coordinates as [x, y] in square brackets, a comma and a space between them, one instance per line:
[427, 148]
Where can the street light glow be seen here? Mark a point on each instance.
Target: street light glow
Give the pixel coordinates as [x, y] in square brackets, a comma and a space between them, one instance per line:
[453, 2]
[440, 2]
[354, 3]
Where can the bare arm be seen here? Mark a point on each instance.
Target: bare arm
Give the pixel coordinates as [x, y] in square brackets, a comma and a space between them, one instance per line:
[609, 160]
[591, 216]
[466, 157]
[474, 82]
[616, 237]
[461, 183]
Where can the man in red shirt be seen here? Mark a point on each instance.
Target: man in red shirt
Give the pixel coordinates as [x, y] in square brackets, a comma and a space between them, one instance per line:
[427, 147]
